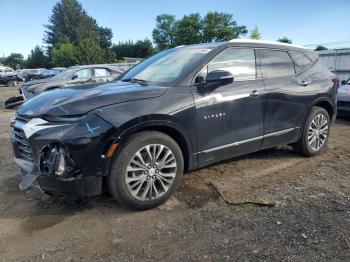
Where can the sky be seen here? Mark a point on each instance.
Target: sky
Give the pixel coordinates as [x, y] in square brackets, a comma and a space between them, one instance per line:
[305, 22]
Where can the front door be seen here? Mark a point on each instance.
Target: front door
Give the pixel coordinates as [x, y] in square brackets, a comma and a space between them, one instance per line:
[81, 77]
[229, 118]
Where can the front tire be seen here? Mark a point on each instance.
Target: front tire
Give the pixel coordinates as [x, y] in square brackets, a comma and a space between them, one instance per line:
[12, 83]
[146, 170]
[315, 133]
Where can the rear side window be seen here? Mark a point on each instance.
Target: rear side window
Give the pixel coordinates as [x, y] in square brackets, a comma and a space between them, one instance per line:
[239, 61]
[102, 72]
[86, 72]
[300, 61]
[276, 63]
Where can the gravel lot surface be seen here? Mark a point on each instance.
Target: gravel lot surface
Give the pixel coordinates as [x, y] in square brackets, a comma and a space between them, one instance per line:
[272, 205]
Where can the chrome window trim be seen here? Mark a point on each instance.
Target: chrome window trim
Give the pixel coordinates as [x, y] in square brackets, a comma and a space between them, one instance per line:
[278, 133]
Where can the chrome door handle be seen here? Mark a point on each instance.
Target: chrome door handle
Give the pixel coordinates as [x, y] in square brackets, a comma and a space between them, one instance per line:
[254, 93]
[304, 83]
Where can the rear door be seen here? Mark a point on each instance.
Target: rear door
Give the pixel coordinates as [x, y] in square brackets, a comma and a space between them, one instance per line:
[229, 118]
[102, 74]
[287, 97]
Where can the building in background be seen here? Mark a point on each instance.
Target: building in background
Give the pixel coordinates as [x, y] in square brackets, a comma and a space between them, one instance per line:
[338, 61]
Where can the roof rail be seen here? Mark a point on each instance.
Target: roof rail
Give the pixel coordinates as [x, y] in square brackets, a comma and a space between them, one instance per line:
[255, 41]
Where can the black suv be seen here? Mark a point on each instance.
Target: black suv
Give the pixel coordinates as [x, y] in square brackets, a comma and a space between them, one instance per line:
[180, 110]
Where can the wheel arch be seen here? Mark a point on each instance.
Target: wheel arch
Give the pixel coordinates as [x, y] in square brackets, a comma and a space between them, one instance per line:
[323, 102]
[327, 104]
[169, 128]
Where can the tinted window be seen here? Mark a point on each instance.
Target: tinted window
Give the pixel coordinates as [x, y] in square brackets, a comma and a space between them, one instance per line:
[300, 61]
[102, 72]
[239, 61]
[83, 73]
[276, 63]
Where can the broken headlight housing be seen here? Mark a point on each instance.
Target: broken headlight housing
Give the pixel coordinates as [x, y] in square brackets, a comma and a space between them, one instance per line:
[55, 161]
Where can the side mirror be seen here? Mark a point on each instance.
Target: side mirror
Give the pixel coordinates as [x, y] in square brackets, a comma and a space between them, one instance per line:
[74, 76]
[219, 77]
[216, 79]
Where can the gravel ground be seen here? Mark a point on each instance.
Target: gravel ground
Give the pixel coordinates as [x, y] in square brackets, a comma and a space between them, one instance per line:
[272, 205]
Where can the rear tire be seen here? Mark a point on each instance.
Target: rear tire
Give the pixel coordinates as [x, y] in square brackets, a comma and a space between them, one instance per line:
[146, 170]
[314, 137]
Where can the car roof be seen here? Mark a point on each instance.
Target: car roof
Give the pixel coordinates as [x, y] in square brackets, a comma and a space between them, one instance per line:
[250, 42]
[265, 43]
[109, 66]
[256, 43]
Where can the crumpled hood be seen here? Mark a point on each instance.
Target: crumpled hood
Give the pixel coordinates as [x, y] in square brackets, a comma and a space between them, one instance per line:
[344, 93]
[82, 99]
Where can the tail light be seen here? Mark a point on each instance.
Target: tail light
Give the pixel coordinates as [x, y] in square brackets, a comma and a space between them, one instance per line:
[336, 82]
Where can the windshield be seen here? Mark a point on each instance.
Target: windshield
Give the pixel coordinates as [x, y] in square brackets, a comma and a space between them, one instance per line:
[65, 73]
[167, 66]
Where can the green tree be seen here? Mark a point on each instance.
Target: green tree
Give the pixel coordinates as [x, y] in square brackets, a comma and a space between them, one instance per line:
[14, 61]
[64, 55]
[105, 36]
[255, 33]
[164, 33]
[284, 40]
[188, 30]
[37, 58]
[221, 27]
[123, 49]
[89, 52]
[141, 49]
[70, 22]
[320, 48]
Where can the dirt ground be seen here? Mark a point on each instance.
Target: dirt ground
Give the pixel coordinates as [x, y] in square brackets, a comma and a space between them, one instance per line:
[272, 205]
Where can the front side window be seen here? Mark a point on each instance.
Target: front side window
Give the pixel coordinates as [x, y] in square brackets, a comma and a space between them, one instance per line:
[276, 63]
[83, 73]
[240, 62]
[300, 61]
[100, 72]
[167, 66]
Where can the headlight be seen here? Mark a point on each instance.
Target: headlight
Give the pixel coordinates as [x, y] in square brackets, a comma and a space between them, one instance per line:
[59, 119]
[55, 161]
[61, 165]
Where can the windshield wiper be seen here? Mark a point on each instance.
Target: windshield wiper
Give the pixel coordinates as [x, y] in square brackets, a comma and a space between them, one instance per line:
[135, 80]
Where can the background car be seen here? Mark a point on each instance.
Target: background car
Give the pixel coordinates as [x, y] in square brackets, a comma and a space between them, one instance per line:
[51, 72]
[73, 76]
[9, 79]
[343, 98]
[4, 70]
[31, 74]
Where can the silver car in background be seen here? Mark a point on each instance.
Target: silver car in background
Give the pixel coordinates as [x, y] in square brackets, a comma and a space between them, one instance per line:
[344, 99]
[72, 76]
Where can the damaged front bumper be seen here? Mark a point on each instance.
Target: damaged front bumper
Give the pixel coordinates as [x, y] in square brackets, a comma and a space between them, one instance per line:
[61, 157]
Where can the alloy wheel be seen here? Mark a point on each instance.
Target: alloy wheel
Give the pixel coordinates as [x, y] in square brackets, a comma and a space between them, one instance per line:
[150, 172]
[318, 132]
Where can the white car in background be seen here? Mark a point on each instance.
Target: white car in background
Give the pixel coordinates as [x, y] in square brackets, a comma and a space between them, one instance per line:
[5, 70]
[344, 99]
